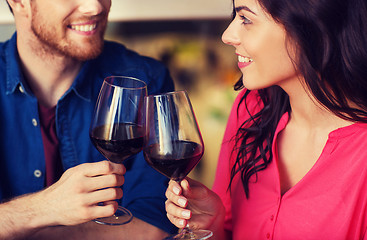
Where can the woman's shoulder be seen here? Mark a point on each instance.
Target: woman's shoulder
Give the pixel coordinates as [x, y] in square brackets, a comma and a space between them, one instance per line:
[247, 102]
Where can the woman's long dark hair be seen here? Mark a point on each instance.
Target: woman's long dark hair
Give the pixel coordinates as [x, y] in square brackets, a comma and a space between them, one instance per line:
[331, 49]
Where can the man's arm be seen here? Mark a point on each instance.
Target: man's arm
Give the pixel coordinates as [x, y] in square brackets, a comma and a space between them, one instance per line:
[136, 229]
[72, 200]
[20, 217]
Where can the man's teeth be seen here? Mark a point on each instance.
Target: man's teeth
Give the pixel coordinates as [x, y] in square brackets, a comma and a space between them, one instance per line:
[244, 59]
[84, 28]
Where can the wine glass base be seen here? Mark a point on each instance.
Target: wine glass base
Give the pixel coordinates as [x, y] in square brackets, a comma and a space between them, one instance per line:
[193, 235]
[121, 217]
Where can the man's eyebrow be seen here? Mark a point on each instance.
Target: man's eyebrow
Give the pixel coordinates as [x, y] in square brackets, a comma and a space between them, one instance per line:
[237, 9]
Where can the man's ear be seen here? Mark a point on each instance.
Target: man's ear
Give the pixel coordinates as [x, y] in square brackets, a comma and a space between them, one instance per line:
[19, 6]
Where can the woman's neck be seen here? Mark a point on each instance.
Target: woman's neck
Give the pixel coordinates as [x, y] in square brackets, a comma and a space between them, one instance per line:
[308, 113]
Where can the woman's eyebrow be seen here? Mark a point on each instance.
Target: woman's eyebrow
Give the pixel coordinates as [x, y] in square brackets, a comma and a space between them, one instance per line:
[239, 8]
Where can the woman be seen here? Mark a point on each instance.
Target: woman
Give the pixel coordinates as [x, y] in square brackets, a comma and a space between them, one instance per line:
[293, 163]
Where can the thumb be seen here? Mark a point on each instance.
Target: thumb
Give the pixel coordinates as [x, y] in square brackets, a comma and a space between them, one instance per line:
[193, 189]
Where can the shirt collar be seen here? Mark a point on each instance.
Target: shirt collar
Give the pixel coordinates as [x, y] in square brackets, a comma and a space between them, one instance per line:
[14, 75]
[281, 125]
[82, 86]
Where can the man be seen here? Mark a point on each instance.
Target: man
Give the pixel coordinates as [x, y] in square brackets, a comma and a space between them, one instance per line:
[51, 71]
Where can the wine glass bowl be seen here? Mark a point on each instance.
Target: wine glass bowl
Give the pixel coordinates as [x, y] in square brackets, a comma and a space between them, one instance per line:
[177, 164]
[173, 143]
[117, 127]
[118, 146]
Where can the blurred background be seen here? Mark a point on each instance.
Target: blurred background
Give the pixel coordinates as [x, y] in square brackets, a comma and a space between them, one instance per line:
[186, 36]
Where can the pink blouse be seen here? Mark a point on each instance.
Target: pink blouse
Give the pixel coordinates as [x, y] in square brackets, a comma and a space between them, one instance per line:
[329, 202]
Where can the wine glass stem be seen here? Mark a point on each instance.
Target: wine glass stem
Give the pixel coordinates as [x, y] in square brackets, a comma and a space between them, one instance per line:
[186, 231]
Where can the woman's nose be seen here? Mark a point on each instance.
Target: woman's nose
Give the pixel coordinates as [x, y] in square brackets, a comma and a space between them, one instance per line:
[230, 35]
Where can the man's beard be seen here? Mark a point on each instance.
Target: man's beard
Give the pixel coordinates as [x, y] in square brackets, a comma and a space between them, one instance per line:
[52, 44]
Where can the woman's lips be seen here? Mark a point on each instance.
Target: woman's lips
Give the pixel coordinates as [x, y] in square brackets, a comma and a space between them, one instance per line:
[244, 61]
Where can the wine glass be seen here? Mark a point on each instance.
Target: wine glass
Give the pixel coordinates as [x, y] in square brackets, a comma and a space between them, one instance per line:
[173, 144]
[117, 127]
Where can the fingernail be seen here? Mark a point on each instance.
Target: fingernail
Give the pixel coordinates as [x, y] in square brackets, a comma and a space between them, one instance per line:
[181, 222]
[186, 213]
[182, 202]
[176, 190]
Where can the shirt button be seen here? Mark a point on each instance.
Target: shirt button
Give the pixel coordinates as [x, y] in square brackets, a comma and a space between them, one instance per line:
[271, 217]
[34, 122]
[37, 173]
[21, 89]
[268, 235]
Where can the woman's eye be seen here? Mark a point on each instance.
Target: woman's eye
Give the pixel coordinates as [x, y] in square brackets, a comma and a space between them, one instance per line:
[245, 20]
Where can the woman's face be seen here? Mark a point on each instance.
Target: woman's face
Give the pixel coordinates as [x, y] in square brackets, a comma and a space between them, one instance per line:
[260, 44]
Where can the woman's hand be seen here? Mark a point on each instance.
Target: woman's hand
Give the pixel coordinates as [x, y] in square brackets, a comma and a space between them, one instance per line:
[194, 204]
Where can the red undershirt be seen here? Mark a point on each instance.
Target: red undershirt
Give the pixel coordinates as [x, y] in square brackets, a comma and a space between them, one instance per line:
[54, 167]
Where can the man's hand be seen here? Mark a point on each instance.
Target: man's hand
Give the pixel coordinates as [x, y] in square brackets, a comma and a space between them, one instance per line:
[70, 201]
[74, 198]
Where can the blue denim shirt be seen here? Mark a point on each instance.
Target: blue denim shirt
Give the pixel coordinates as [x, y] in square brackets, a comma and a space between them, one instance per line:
[22, 162]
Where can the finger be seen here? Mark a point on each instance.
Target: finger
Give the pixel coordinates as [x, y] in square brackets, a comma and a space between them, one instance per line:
[192, 189]
[177, 211]
[185, 183]
[178, 200]
[173, 194]
[105, 210]
[178, 222]
[104, 195]
[104, 181]
[175, 187]
[185, 186]
[102, 168]
[108, 202]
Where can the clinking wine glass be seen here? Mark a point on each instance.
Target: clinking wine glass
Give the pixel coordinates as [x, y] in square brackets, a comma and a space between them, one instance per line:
[117, 128]
[173, 144]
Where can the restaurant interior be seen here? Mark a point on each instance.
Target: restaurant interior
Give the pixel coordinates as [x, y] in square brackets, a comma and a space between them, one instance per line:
[186, 37]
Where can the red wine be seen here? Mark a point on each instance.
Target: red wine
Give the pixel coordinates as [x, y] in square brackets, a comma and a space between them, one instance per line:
[125, 140]
[176, 164]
